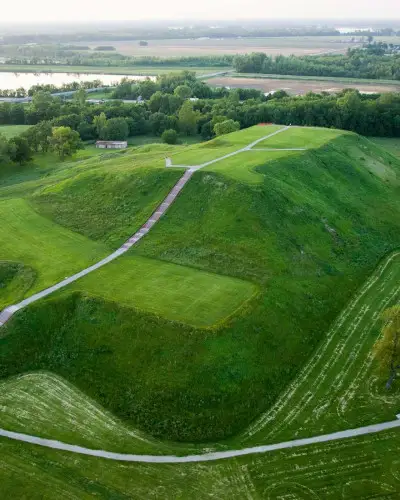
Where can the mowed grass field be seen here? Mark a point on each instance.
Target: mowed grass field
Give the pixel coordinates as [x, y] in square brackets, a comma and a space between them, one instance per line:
[177, 293]
[302, 137]
[10, 131]
[52, 251]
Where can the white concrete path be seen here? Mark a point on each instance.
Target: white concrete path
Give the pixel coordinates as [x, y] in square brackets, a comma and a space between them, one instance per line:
[6, 314]
[206, 457]
[9, 311]
[242, 150]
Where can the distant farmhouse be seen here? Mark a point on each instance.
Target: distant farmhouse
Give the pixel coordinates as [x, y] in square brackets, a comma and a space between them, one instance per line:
[111, 144]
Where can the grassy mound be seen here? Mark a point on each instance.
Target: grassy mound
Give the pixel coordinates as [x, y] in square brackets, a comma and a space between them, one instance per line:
[311, 224]
[164, 377]
[106, 205]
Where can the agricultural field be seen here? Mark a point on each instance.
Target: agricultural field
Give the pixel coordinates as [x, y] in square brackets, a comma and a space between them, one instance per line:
[302, 85]
[138, 70]
[203, 47]
[218, 330]
[10, 131]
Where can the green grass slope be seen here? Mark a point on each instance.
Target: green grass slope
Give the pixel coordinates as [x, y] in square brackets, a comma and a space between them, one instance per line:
[52, 251]
[106, 205]
[45, 205]
[314, 223]
[15, 280]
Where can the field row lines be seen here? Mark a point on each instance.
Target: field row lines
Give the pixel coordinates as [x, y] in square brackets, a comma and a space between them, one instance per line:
[301, 385]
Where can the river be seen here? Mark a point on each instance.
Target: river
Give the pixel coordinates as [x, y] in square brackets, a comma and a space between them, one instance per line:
[13, 81]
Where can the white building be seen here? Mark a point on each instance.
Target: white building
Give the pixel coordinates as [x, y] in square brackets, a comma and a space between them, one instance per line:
[111, 144]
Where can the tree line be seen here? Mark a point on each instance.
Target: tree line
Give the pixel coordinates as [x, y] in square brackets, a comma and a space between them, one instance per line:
[179, 105]
[42, 137]
[49, 87]
[357, 63]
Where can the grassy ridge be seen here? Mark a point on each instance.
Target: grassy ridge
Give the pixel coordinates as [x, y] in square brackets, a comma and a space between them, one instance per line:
[316, 221]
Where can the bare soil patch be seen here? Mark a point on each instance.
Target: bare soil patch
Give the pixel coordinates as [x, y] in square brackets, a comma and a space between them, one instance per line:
[299, 87]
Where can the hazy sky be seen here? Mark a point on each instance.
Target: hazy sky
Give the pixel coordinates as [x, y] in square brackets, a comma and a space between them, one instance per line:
[85, 10]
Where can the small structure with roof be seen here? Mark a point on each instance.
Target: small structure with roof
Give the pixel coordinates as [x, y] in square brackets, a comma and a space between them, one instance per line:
[111, 144]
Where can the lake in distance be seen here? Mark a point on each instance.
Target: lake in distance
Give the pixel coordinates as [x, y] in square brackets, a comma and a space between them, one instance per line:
[13, 81]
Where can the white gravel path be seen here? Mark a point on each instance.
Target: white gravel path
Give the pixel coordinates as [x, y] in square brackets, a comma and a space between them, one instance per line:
[206, 457]
[9, 311]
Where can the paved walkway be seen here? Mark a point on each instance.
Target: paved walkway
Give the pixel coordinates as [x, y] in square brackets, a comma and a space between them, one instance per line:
[6, 314]
[241, 150]
[207, 457]
[9, 311]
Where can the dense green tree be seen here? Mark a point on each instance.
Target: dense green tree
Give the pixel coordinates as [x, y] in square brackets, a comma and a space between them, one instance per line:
[170, 136]
[71, 121]
[65, 141]
[226, 127]
[188, 119]
[159, 122]
[19, 150]
[38, 136]
[80, 97]
[207, 131]
[4, 151]
[99, 123]
[183, 92]
[115, 129]
[86, 131]
[17, 114]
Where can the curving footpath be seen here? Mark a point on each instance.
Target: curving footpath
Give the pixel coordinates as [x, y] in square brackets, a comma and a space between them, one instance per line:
[9, 311]
[207, 457]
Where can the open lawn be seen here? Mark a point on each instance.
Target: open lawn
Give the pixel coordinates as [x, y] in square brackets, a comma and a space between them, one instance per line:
[10, 131]
[52, 251]
[175, 292]
[245, 167]
[302, 137]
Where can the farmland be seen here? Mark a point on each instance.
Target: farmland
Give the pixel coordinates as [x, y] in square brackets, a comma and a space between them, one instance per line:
[219, 328]
[200, 47]
[302, 85]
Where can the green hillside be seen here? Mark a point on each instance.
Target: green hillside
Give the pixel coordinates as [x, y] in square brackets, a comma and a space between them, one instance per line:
[165, 338]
